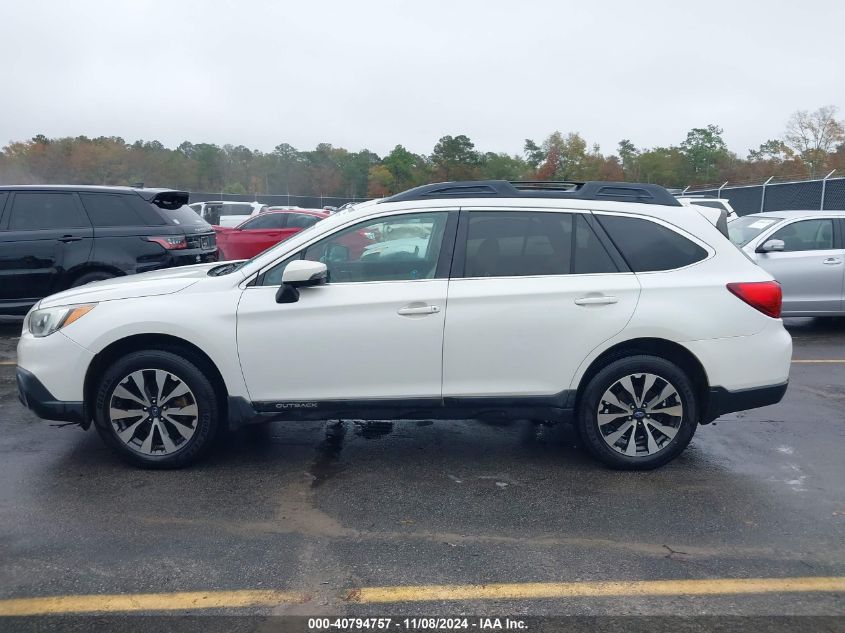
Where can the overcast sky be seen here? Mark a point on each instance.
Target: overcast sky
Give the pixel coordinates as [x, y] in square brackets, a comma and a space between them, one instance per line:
[376, 73]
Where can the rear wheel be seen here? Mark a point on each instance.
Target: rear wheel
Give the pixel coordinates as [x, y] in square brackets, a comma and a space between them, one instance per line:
[156, 409]
[638, 413]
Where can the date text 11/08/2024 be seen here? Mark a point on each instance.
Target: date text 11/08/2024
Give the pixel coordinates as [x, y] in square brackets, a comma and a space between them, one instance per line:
[417, 624]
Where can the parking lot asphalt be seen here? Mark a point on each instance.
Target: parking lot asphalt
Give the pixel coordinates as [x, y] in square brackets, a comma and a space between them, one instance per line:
[479, 518]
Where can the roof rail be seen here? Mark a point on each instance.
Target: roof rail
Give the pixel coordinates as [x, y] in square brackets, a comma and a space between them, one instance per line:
[590, 190]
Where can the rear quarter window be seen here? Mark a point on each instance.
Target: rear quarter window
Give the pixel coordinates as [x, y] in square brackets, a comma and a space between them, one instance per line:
[113, 210]
[649, 246]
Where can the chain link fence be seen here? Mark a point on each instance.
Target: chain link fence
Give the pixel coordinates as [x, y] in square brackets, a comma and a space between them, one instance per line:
[828, 193]
[306, 202]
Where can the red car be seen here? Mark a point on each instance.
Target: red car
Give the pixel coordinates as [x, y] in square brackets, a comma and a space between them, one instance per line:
[267, 229]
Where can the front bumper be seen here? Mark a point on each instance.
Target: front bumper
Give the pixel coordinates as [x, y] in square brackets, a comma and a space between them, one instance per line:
[37, 398]
[722, 401]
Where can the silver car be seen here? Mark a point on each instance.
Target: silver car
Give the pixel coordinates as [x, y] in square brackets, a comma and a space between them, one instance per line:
[804, 251]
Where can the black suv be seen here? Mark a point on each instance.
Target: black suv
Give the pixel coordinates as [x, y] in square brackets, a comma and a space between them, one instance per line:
[60, 236]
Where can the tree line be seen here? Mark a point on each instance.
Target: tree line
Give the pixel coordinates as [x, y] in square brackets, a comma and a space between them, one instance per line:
[813, 143]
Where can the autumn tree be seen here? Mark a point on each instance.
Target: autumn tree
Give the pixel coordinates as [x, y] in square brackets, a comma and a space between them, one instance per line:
[813, 135]
[381, 182]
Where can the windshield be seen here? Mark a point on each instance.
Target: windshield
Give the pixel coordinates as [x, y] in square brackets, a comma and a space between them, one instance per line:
[744, 229]
[184, 216]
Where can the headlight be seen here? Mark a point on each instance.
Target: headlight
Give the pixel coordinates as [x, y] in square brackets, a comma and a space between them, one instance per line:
[45, 322]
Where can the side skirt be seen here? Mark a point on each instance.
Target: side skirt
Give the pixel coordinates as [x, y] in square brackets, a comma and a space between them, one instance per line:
[555, 408]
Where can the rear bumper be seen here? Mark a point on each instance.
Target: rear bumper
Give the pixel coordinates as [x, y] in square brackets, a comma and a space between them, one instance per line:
[187, 257]
[37, 398]
[723, 401]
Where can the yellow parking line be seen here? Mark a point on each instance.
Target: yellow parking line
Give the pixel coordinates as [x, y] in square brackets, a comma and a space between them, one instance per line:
[179, 601]
[198, 600]
[428, 593]
[8, 362]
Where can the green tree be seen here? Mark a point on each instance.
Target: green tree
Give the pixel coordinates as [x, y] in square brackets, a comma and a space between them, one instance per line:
[664, 166]
[504, 167]
[629, 155]
[705, 150]
[455, 158]
[534, 154]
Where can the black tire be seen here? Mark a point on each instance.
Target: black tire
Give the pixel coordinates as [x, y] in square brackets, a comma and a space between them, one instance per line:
[97, 275]
[587, 414]
[186, 370]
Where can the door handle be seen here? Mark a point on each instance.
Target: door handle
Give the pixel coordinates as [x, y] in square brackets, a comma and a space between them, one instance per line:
[69, 238]
[596, 301]
[832, 261]
[412, 310]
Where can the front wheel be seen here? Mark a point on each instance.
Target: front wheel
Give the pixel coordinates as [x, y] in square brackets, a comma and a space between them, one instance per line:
[638, 413]
[156, 409]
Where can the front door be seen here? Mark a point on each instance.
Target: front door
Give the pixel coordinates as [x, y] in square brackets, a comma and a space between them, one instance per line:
[810, 268]
[533, 295]
[374, 331]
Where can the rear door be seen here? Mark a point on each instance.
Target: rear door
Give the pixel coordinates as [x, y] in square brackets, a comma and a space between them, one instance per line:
[121, 222]
[47, 234]
[532, 293]
[811, 267]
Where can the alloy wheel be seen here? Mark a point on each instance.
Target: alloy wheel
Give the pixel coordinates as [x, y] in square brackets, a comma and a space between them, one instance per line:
[153, 412]
[640, 414]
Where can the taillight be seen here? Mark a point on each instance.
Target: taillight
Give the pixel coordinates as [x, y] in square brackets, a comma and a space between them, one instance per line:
[169, 242]
[765, 296]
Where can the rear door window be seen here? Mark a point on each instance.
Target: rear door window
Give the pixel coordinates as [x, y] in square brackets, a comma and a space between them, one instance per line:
[268, 221]
[33, 211]
[301, 220]
[524, 243]
[111, 210]
[649, 246]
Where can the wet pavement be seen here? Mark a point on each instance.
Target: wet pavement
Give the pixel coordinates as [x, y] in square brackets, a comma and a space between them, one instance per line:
[328, 507]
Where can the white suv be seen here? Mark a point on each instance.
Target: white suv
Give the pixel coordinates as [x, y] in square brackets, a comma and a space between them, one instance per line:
[222, 213]
[606, 304]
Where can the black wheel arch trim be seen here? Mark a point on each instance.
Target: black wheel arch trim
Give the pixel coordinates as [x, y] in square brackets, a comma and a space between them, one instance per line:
[721, 401]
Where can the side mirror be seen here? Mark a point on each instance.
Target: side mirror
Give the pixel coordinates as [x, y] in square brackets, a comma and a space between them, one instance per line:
[771, 246]
[300, 273]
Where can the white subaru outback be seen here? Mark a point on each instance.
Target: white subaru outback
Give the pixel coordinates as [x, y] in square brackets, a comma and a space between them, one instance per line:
[609, 305]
